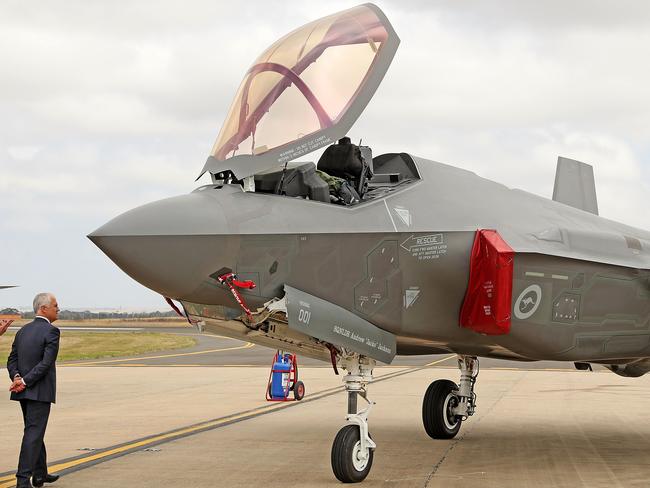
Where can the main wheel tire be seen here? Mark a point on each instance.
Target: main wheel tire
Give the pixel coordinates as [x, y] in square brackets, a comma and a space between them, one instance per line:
[439, 400]
[346, 464]
[299, 390]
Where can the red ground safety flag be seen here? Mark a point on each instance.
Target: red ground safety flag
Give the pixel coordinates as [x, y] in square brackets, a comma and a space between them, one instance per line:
[488, 299]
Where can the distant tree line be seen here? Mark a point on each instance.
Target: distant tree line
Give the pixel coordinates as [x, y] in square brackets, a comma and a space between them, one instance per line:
[87, 315]
[9, 311]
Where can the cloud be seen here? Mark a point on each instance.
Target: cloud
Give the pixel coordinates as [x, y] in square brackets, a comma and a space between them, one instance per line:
[550, 15]
[22, 153]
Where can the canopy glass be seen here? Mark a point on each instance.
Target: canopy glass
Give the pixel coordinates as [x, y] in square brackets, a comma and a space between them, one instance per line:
[305, 83]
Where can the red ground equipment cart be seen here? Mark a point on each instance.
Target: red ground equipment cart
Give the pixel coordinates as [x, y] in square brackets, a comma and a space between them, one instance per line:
[284, 379]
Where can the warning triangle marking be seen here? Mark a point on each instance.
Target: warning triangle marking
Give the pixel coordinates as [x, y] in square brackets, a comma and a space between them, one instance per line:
[410, 296]
[404, 215]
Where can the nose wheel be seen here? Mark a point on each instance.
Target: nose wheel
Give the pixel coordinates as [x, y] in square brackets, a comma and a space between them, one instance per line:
[446, 405]
[351, 462]
[353, 448]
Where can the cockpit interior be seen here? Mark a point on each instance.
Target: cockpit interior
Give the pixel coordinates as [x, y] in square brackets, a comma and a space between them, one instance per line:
[346, 174]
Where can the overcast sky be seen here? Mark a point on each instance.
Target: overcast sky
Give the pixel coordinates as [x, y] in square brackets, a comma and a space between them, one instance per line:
[108, 105]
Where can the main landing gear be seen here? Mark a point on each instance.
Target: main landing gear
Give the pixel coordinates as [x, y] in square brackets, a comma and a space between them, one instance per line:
[353, 448]
[446, 405]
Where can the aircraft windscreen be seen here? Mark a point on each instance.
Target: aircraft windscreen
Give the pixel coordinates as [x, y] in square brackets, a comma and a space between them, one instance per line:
[303, 83]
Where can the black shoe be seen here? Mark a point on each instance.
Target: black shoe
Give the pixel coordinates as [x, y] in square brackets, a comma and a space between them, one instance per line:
[49, 478]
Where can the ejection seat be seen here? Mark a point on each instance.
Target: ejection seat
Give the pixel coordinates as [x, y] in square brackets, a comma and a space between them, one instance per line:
[347, 168]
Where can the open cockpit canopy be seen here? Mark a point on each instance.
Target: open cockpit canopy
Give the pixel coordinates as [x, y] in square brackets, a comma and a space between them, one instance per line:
[305, 91]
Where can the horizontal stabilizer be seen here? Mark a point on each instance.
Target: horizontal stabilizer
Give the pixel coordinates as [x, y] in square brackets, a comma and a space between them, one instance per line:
[574, 185]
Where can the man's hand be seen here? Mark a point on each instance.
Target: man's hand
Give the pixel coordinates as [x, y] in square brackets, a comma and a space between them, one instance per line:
[17, 386]
[4, 325]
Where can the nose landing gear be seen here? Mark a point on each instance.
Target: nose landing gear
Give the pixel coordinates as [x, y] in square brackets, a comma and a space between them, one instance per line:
[353, 448]
[446, 405]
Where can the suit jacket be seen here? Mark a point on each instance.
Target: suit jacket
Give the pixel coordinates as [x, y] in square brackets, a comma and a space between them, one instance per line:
[33, 357]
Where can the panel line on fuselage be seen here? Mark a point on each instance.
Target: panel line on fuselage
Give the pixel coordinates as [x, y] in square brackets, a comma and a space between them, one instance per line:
[390, 216]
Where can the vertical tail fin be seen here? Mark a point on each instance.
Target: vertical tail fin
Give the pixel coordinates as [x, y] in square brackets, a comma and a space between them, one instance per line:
[574, 185]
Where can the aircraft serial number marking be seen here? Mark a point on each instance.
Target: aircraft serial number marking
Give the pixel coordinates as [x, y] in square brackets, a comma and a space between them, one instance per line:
[342, 331]
[304, 316]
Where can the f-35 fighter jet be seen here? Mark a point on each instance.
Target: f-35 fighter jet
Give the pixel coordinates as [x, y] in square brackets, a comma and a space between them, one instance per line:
[358, 258]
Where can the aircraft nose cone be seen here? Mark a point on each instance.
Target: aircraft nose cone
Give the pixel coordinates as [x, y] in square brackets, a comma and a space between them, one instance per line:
[170, 246]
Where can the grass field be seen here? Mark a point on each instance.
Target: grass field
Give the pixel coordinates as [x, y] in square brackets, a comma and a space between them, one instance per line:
[95, 345]
[142, 323]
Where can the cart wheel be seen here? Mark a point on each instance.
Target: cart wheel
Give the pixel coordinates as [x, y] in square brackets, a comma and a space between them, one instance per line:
[298, 390]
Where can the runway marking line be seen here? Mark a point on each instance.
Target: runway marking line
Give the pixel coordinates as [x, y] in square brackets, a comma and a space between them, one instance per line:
[248, 345]
[88, 460]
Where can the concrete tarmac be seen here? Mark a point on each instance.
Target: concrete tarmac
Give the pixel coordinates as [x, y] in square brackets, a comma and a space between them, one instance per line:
[212, 350]
[532, 428]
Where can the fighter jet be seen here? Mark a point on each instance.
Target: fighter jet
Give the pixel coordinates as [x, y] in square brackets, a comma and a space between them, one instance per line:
[355, 258]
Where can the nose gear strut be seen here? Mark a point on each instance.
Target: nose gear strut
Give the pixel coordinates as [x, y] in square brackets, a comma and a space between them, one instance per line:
[353, 448]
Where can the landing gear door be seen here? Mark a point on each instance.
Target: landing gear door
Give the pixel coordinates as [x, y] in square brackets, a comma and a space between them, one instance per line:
[327, 322]
[305, 91]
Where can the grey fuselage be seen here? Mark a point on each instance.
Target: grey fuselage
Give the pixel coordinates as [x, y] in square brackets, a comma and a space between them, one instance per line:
[402, 262]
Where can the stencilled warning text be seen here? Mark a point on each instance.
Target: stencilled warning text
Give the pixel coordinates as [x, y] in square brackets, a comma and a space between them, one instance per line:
[426, 247]
[304, 148]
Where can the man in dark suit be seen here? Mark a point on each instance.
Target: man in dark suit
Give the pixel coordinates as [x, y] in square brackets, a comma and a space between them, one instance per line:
[31, 366]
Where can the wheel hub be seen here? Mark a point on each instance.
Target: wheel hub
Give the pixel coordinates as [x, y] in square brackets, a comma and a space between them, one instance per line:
[449, 418]
[359, 457]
